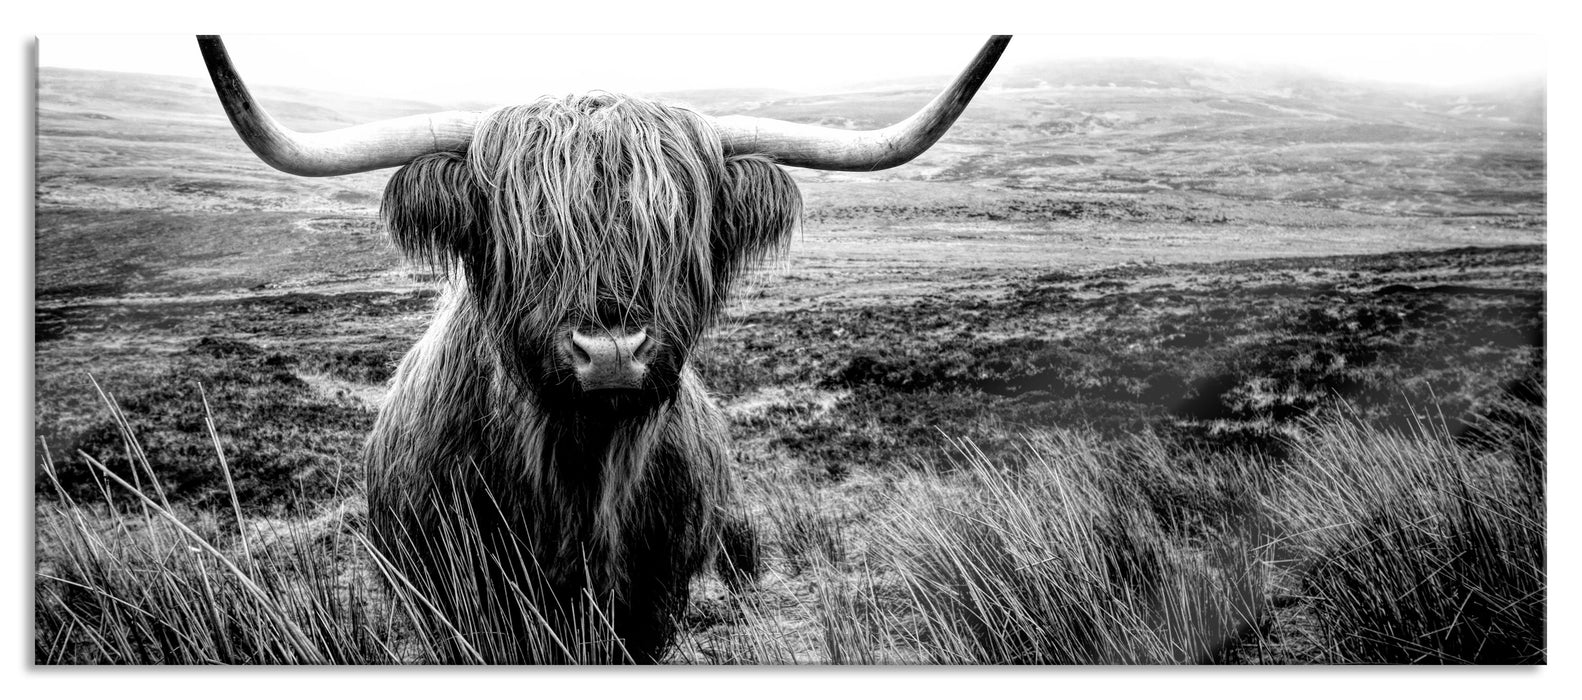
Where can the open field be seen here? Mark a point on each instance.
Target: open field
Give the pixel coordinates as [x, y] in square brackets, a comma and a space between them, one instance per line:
[1243, 348]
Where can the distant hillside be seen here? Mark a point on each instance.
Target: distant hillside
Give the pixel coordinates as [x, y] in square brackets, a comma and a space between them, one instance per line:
[723, 100]
[1142, 126]
[142, 186]
[1097, 126]
[1522, 103]
[137, 94]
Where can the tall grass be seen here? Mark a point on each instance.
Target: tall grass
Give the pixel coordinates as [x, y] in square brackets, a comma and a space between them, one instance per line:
[1364, 545]
[475, 597]
[137, 581]
[134, 579]
[1062, 559]
[1416, 549]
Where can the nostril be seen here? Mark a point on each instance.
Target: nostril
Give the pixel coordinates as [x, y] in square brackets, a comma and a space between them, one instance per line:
[645, 347]
[579, 353]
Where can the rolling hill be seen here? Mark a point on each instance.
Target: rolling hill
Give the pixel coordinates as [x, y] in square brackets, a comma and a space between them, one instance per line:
[121, 154]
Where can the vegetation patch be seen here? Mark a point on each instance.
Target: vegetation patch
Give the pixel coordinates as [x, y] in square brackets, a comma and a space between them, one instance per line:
[296, 447]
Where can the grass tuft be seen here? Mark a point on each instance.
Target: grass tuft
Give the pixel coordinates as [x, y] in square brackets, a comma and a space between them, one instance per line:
[1057, 559]
[1417, 550]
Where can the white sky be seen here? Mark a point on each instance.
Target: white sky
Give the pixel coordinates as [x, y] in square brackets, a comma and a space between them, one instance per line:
[503, 68]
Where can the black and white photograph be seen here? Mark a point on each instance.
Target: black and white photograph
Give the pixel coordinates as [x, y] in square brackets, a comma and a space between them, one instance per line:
[790, 350]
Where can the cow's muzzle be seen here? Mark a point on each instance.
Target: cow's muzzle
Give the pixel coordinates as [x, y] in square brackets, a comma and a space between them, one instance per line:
[611, 358]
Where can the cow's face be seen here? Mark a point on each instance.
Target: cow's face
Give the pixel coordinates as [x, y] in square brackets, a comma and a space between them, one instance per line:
[596, 237]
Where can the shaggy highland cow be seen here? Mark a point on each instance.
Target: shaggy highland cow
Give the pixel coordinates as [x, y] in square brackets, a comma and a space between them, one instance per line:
[547, 465]
[553, 388]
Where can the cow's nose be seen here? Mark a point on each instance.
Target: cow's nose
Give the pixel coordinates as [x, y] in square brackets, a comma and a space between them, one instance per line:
[610, 359]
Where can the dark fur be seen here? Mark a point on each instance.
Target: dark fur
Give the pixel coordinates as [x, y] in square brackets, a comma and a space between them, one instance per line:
[592, 211]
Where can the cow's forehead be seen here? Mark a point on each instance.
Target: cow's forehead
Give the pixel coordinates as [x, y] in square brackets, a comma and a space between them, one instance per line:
[599, 189]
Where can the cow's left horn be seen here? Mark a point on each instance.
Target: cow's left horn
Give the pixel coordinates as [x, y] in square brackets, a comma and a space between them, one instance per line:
[355, 149]
[823, 148]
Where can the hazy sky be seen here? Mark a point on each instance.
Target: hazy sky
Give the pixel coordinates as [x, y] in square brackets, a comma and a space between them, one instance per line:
[499, 68]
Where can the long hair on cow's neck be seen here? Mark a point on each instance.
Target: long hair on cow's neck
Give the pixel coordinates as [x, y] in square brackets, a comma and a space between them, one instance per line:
[600, 211]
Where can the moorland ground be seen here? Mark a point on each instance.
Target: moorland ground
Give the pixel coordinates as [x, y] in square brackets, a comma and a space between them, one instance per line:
[1217, 265]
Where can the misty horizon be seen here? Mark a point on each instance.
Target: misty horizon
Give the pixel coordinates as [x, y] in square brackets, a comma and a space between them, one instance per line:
[319, 65]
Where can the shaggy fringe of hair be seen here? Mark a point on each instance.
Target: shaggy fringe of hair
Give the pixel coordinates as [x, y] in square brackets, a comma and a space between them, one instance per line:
[600, 202]
[596, 208]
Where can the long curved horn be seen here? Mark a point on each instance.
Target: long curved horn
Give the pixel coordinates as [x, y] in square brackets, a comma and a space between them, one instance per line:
[355, 149]
[823, 148]
[395, 142]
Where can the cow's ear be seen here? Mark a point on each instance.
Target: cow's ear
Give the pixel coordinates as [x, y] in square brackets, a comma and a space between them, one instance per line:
[759, 207]
[436, 212]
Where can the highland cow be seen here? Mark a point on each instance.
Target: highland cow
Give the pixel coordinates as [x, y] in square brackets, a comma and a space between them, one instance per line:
[587, 244]
[554, 383]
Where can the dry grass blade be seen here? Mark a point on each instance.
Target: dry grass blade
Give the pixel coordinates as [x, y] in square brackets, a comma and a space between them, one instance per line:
[230, 484]
[299, 642]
